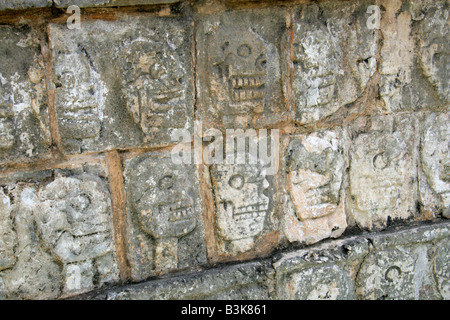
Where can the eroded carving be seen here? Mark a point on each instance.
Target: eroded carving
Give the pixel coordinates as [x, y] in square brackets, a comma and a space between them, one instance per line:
[382, 172]
[73, 219]
[155, 86]
[321, 43]
[435, 157]
[241, 205]
[314, 180]
[7, 235]
[6, 121]
[164, 204]
[79, 97]
[238, 70]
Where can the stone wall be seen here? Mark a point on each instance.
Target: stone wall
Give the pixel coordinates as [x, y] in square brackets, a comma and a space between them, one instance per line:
[93, 205]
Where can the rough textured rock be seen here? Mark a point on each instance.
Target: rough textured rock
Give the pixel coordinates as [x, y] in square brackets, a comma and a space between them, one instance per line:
[24, 122]
[164, 217]
[247, 281]
[334, 56]
[383, 171]
[63, 228]
[325, 272]
[244, 205]
[148, 72]
[409, 82]
[435, 162]
[240, 70]
[400, 265]
[315, 168]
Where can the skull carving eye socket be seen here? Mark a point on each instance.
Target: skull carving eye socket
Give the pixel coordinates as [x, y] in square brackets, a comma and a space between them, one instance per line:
[244, 51]
[236, 182]
[166, 182]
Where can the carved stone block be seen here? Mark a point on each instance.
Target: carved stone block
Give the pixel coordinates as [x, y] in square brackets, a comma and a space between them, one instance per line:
[24, 123]
[122, 83]
[243, 198]
[333, 57]
[239, 57]
[435, 163]
[163, 216]
[383, 178]
[315, 200]
[63, 226]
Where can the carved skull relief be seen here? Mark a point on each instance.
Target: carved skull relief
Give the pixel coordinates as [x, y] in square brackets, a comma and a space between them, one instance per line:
[315, 175]
[73, 219]
[315, 169]
[239, 72]
[154, 85]
[78, 96]
[382, 172]
[241, 206]
[163, 203]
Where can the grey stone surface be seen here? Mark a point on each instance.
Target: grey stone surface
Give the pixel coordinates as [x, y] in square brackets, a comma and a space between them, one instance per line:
[401, 266]
[24, 122]
[122, 83]
[442, 268]
[246, 281]
[409, 81]
[24, 4]
[383, 172]
[435, 162]
[315, 165]
[164, 222]
[334, 56]
[240, 69]
[244, 205]
[29, 4]
[326, 271]
[60, 232]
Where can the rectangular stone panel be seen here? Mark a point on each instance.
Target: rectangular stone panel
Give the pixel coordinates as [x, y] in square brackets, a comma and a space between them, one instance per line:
[333, 57]
[415, 55]
[24, 122]
[324, 272]
[240, 66]
[434, 163]
[314, 197]
[247, 281]
[122, 83]
[407, 265]
[164, 223]
[383, 170]
[56, 233]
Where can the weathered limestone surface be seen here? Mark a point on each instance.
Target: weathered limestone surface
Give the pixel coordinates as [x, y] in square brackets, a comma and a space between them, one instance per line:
[247, 281]
[122, 83]
[92, 204]
[56, 233]
[240, 68]
[408, 81]
[24, 122]
[28, 4]
[383, 172]
[164, 216]
[315, 166]
[334, 56]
